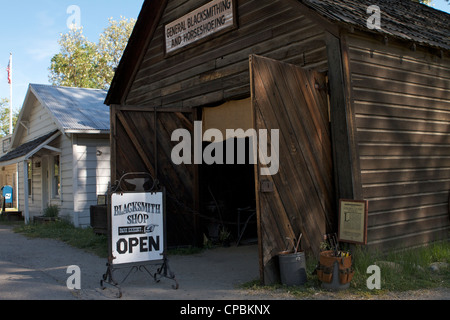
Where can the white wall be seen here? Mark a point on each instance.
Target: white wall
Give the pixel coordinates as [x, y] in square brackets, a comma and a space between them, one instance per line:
[92, 172]
[39, 123]
[35, 200]
[84, 174]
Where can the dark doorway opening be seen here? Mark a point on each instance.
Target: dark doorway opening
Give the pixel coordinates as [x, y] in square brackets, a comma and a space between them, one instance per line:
[227, 198]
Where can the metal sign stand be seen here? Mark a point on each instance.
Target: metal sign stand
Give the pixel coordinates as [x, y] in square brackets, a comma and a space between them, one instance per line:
[164, 270]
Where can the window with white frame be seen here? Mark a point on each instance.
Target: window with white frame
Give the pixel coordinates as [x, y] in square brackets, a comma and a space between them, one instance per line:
[30, 178]
[56, 177]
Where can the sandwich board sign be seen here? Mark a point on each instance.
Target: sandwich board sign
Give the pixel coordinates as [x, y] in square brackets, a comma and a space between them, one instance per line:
[137, 227]
[137, 231]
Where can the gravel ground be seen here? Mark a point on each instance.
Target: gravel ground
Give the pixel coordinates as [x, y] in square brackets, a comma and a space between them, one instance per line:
[36, 269]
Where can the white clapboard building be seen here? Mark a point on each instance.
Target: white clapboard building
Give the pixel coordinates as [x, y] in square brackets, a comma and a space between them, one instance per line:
[61, 148]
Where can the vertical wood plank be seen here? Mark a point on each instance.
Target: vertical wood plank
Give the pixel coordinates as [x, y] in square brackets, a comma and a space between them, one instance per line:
[341, 123]
[285, 97]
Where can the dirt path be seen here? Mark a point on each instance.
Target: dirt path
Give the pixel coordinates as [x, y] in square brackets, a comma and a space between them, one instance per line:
[36, 269]
[33, 269]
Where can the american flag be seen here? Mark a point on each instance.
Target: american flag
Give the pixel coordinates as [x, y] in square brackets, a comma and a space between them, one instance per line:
[8, 69]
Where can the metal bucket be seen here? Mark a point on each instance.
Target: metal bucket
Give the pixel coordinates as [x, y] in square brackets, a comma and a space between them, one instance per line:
[292, 268]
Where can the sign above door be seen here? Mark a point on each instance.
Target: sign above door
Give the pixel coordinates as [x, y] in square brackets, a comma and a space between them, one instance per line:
[212, 18]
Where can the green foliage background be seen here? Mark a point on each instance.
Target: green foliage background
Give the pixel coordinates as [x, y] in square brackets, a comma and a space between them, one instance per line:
[85, 64]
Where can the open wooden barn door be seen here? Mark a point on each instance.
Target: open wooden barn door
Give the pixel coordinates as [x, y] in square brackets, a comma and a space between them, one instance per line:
[142, 143]
[299, 198]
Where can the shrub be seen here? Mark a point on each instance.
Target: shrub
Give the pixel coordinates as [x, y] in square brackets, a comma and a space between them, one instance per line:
[52, 211]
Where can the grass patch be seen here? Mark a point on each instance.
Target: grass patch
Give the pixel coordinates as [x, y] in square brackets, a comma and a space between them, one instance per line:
[64, 231]
[405, 270]
[400, 271]
[80, 238]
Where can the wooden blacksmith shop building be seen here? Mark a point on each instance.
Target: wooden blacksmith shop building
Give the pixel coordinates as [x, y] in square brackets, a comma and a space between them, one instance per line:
[359, 95]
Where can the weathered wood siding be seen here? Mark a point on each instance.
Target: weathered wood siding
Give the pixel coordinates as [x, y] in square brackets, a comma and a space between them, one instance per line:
[207, 73]
[217, 70]
[402, 115]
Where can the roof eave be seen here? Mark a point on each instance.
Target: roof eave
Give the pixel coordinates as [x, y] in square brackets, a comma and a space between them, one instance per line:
[139, 41]
[45, 106]
[31, 153]
[75, 131]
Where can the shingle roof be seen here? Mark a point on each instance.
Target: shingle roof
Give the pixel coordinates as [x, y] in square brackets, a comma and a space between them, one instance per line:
[405, 19]
[401, 18]
[75, 109]
[25, 148]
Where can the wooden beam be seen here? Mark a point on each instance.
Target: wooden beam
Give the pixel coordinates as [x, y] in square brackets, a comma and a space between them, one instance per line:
[342, 122]
[186, 122]
[25, 192]
[52, 149]
[113, 143]
[150, 108]
[136, 144]
[143, 32]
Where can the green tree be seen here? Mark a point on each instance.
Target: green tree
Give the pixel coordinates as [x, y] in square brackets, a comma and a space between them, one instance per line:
[111, 46]
[4, 117]
[427, 2]
[82, 63]
[76, 64]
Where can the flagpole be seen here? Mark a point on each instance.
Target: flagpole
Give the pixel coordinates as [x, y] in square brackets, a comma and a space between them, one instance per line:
[10, 96]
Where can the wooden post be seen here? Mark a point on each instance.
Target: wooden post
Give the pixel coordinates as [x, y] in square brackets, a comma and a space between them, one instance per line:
[347, 177]
[25, 191]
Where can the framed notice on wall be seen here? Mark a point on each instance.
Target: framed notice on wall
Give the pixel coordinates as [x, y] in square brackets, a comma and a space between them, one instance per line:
[353, 216]
[137, 227]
